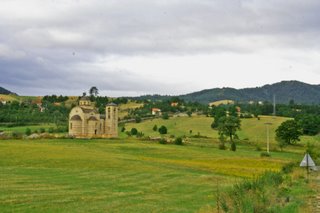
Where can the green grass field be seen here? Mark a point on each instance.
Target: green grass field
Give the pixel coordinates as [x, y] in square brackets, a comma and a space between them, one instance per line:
[121, 175]
[252, 129]
[131, 175]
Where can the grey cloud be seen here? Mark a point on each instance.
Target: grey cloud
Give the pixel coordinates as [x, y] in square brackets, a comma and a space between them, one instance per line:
[131, 27]
[45, 49]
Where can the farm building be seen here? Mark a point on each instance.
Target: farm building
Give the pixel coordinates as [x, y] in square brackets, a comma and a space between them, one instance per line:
[156, 111]
[86, 122]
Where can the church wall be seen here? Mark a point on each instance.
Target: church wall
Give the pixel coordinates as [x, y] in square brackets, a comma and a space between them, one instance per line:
[75, 127]
[93, 128]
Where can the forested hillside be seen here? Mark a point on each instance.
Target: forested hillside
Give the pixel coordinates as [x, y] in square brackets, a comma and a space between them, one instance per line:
[284, 92]
[5, 91]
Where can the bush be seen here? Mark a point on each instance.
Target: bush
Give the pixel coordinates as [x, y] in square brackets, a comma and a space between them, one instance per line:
[134, 131]
[178, 141]
[123, 129]
[140, 134]
[165, 116]
[265, 154]
[138, 119]
[163, 141]
[155, 128]
[28, 131]
[42, 130]
[16, 135]
[163, 130]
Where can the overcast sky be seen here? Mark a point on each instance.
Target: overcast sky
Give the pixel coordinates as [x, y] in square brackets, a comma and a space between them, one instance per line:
[134, 47]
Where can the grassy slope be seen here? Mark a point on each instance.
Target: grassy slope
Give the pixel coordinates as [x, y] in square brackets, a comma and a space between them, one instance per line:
[124, 108]
[8, 97]
[178, 126]
[118, 175]
[252, 129]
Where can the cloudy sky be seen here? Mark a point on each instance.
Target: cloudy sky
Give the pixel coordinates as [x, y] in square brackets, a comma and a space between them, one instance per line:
[134, 47]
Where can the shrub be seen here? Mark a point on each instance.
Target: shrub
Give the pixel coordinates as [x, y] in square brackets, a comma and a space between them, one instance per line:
[28, 131]
[163, 130]
[51, 130]
[265, 154]
[134, 131]
[140, 134]
[123, 129]
[178, 141]
[138, 119]
[155, 128]
[163, 141]
[165, 116]
[16, 135]
[42, 130]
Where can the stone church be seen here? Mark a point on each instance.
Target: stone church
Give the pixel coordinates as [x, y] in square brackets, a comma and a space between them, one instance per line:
[86, 122]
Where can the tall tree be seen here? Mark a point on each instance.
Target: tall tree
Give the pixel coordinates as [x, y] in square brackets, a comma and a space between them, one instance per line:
[228, 126]
[93, 91]
[218, 113]
[288, 132]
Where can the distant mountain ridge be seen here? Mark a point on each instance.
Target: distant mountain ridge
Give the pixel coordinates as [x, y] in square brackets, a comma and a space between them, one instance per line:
[5, 91]
[284, 91]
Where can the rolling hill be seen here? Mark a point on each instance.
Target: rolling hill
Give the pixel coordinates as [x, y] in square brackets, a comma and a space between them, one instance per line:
[284, 91]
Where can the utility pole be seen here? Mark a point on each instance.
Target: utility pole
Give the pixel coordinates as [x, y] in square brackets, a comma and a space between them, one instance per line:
[268, 136]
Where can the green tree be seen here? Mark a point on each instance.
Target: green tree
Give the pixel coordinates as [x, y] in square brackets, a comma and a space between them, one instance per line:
[178, 141]
[28, 131]
[218, 112]
[134, 131]
[288, 132]
[228, 126]
[163, 130]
